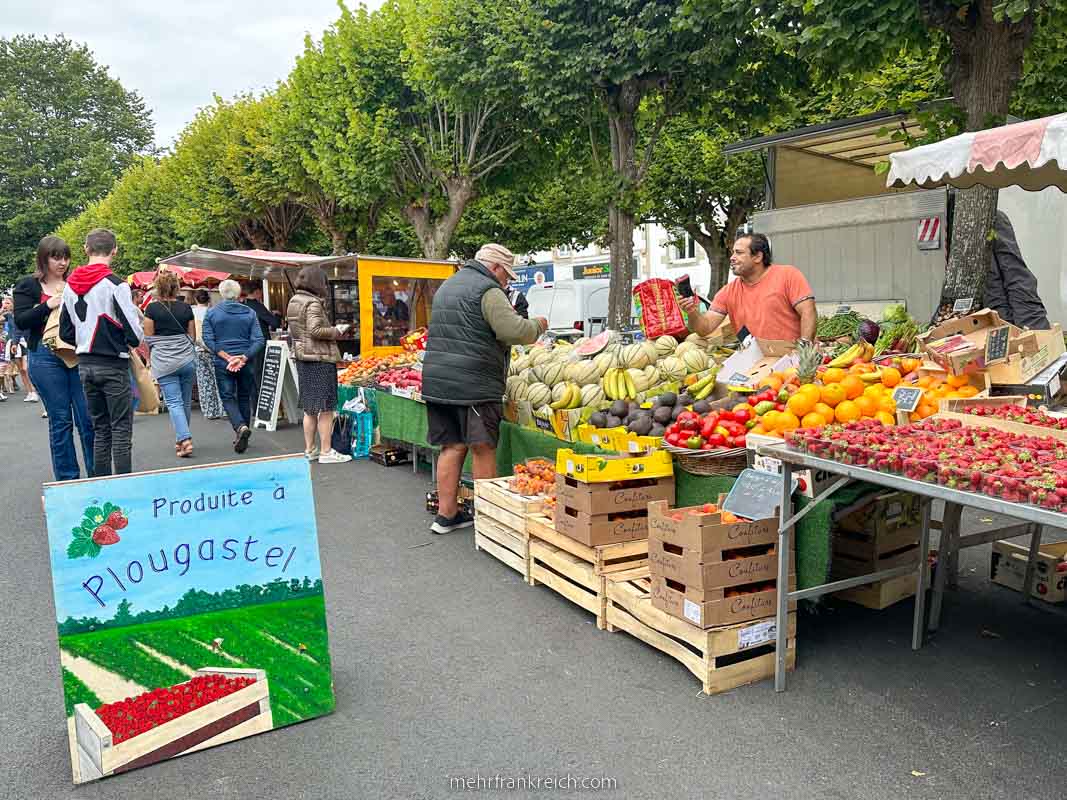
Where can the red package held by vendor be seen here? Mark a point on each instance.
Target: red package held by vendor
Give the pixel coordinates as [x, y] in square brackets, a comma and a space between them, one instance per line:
[660, 313]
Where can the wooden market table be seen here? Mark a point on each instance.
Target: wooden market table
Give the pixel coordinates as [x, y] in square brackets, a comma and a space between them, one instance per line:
[1033, 520]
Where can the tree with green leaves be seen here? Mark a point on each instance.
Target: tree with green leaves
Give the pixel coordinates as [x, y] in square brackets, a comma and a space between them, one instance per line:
[637, 63]
[67, 131]
[692, 188]
[985, 45]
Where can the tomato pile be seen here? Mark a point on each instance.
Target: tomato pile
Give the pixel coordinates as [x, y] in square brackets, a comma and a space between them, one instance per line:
[1014, 467]
[716, 430]
[1027, 416]
[135, 715]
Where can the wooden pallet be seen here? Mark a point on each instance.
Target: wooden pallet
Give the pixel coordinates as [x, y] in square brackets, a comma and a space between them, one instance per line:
[721, 658]
[605, 559]
[568, 575]
[500, 523]
[503, 544]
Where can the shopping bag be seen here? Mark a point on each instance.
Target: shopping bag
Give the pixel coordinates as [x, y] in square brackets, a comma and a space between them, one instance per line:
[341, 438]
[659, 310]
[362, 434]
[146, 387]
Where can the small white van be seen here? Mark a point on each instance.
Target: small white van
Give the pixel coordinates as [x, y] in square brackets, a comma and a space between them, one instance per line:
[580, 305]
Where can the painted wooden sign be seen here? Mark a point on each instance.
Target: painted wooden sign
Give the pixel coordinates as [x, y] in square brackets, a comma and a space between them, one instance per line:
[190, 609]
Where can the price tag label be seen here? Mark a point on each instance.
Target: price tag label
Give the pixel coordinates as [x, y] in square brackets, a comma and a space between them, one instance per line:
[907, 398]
[963, 305]
[758, 634]
[842, 310]
[996, 345]
[740, 378]
[691, 611]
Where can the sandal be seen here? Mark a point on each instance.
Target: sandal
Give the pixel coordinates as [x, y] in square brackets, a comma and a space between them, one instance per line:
[185, 448]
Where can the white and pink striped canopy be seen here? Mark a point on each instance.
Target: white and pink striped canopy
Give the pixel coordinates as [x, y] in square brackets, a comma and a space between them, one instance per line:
[1032, 155]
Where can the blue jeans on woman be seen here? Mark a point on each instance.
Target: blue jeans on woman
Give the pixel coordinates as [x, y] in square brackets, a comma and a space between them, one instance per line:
[60, 388]
[177, 390]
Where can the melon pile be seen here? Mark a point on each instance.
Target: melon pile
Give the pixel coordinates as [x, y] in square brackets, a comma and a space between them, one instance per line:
[593, 373]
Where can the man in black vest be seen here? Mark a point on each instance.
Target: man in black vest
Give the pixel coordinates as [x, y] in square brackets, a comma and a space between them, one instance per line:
[472, 328]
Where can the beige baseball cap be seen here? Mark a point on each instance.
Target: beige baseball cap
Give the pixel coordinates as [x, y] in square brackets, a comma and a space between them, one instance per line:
[498, 254]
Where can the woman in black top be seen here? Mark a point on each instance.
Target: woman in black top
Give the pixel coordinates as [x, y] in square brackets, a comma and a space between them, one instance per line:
[55, 377]
[170, 330]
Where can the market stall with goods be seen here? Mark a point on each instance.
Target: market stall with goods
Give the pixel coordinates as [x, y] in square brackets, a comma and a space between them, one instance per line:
[381, 299]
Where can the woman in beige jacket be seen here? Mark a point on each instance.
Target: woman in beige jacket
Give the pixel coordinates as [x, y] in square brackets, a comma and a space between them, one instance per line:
[316, 353]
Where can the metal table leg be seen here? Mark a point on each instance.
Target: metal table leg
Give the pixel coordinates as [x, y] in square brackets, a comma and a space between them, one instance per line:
[920, 589]
[785, 527]
[950, 534]
[1031, 562]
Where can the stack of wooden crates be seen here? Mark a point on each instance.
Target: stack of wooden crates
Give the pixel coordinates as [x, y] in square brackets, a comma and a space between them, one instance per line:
[880, 532]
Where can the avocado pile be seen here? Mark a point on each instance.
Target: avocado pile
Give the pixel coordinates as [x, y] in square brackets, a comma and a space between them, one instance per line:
[651, 421]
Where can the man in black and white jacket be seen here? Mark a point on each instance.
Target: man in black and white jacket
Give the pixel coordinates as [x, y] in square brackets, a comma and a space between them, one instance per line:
[99, 317]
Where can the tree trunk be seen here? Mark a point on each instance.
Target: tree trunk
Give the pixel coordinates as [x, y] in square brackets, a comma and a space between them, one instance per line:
[623, 102]
[435, 235]
[983, 71]
[718, 255]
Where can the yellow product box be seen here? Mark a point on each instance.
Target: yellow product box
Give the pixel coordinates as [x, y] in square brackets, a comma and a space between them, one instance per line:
[607, 469]
[603, 438]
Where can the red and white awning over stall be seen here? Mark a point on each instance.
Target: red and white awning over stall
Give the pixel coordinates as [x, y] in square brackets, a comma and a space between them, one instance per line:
[1032, 155]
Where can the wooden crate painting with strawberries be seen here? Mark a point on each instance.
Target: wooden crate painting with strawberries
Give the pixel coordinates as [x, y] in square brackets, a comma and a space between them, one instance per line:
[190, 609]
[226, 704]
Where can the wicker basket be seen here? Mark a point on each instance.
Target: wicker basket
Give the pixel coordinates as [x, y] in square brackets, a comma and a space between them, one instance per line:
[710, 462]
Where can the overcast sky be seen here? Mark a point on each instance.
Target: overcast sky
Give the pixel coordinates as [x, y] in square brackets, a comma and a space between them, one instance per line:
[177, 55]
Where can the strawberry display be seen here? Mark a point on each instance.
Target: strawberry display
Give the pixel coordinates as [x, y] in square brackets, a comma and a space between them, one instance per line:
[1027, 416]
[135, 715]
[1014, 467]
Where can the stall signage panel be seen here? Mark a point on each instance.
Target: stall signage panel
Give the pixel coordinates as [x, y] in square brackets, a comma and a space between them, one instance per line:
[592, 271]
[277, 383]
[907, 398]
[533, 275]
[756, 495]
[189, 607]
[996, 345]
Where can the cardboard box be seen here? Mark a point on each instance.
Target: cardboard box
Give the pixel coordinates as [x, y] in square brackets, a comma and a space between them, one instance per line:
[597, 530]
[1044, 389]
[959, 346]
[706, 611]
[605, 498]
[685, 566]
[609, 469]
[883, 514]
[1008, 568]
[706, 535]
[757, 361]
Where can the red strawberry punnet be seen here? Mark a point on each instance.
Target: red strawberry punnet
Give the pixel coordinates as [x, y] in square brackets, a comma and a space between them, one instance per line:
[117, 520]
[104, 535]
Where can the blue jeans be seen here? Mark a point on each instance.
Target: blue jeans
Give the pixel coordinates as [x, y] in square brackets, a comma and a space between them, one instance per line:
[177, 390]
[61, 392]
[235, 389]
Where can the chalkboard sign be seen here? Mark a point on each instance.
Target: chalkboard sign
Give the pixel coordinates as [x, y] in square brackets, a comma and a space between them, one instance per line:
[963, 305]
[756, 495]
[276, 383]
[907, 398]
[996, 345]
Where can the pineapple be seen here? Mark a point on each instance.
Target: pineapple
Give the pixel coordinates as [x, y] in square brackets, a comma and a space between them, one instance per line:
[809, 358]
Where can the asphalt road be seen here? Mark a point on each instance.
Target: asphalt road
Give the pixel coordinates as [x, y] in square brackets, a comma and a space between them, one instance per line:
[447, 666]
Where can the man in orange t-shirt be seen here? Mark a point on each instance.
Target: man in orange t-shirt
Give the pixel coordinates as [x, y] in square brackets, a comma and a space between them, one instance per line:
[772, 301]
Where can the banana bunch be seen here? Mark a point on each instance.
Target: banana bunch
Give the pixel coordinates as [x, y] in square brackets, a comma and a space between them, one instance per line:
[571, 397]
[864, 351]
[872, 377]
[703, 387]
[619, 385]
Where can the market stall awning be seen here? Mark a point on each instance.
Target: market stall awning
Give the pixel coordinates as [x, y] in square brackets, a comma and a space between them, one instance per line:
[268, 264]
[1032, 155]
[190, 277]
